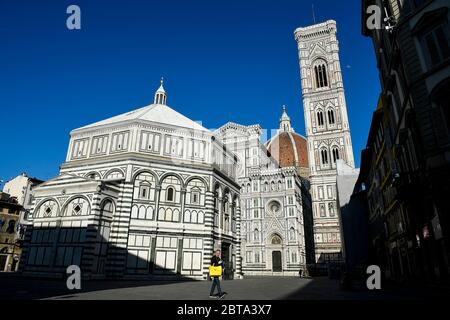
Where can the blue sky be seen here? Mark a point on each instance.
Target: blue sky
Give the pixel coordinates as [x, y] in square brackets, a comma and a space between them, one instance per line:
[222, 60]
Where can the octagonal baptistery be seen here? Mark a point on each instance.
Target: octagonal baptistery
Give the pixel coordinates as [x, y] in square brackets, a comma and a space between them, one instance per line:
[289, 148]
[148, 194]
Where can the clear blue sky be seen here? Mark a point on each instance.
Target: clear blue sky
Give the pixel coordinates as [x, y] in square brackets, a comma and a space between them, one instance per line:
[222, 60]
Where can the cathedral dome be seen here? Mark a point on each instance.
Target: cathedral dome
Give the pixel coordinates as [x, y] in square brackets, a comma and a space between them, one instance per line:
[288, 147]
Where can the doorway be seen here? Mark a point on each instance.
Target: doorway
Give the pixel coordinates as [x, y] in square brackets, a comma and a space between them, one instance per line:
[276, 261]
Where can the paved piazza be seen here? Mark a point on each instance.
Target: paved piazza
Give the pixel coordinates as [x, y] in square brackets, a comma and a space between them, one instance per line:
[267, 288]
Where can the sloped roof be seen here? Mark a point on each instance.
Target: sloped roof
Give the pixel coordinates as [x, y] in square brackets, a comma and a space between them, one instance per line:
[157, 113]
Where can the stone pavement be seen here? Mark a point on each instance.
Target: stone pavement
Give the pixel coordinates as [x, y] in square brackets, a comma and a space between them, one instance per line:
[257, 288]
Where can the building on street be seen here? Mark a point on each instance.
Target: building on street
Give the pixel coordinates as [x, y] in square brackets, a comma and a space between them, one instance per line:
[407, 159]
[11, 232]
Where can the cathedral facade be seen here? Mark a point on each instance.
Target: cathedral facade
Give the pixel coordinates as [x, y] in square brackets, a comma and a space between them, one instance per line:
[275, 202]
[327, 130]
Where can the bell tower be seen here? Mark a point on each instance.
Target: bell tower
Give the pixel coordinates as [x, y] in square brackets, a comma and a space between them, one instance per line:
[327, 129]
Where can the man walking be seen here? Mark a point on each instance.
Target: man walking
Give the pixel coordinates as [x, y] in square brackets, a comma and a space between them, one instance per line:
[216, 261]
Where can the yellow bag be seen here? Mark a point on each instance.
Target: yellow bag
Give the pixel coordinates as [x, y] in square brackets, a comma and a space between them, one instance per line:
[215, 271]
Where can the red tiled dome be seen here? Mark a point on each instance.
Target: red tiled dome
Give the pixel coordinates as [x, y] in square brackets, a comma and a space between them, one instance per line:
[289, 149]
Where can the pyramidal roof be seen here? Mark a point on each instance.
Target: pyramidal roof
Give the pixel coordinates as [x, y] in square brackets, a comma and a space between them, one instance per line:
[158, 112]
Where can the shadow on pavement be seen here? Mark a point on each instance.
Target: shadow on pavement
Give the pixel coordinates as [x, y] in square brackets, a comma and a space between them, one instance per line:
[322, 288]
[16, 287]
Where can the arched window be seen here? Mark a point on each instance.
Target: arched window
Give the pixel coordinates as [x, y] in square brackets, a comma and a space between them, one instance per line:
[316, 71]
[276, 239]
[291, 234]
[256, 235]
[77, 207]
[335, 154]
[107, 209]
[226, 206]
[331, 209]
[320, 71]
[322, 210]
[324, 155]
[331, 117]
[320, 118]
[170, 194]
[324, 76]
[144, 190]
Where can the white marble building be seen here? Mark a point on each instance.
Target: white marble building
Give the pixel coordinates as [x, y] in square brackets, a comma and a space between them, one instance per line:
[327, 129]
[147, 193]
[275, 202]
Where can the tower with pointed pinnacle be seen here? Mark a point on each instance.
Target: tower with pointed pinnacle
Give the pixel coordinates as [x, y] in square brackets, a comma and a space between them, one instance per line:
[285, 121]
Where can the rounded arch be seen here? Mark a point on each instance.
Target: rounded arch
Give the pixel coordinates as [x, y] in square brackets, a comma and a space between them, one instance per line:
[114, 170]
[137, 173]
[171, 174]
[69, 201]
[170, 193]
[107, 208]
[187, 215]
[55, 213]
[205, 183]
[276, 239]
[95, 173]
